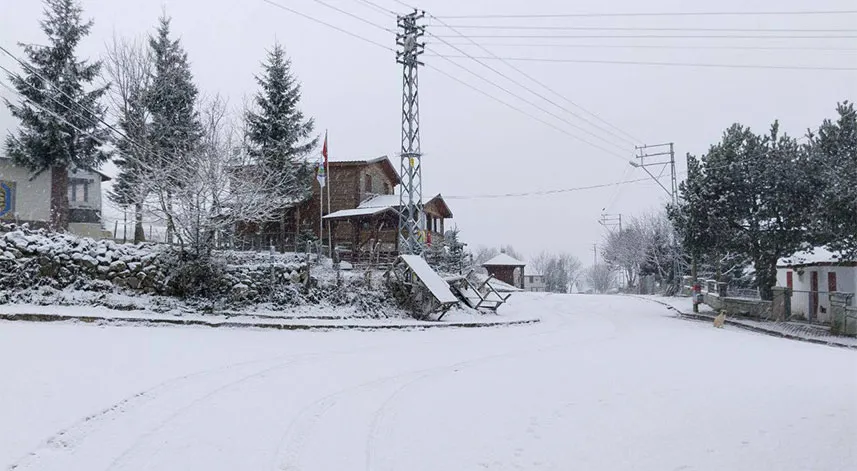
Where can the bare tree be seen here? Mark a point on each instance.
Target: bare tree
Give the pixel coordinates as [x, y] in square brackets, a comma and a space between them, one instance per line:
[560, 270]
[221, 185]
[601, 277]
[646, 246]
[481, 255]
[128, 68]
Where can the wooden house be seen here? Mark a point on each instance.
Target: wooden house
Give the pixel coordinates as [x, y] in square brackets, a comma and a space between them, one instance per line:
[362, 219]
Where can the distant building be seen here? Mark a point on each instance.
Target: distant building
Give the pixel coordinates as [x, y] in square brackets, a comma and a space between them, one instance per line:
[812, 276]
[507, 269]
[27, 199]
[534, 282]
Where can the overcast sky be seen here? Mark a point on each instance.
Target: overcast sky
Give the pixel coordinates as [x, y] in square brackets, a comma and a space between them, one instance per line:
[473, 145]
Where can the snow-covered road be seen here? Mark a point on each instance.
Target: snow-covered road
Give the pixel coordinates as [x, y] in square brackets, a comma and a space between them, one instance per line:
[603, 383]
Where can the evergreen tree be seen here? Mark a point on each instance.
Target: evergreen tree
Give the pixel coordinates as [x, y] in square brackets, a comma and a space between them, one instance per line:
[758, 197]
[59, 119]
[833, 153]
[456, 256]
[175, 130]
[278, 134]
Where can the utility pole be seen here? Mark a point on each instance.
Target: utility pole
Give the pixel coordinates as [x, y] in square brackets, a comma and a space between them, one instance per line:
[411, 216]
[611, 221]
[646, 154]
[656, 156]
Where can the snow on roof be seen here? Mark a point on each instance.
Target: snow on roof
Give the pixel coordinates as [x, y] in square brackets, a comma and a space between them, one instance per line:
[348, 213]
[438, 287]
[373, 160]
[381, 201]
[504, 260]
[817, 255]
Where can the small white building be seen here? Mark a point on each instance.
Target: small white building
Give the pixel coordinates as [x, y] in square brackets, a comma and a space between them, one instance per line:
[534, 281]
[812, 275]
[27, 199]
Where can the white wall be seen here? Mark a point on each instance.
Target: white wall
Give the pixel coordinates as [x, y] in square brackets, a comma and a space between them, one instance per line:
[32, 198]
[846, 281]
[94, 190]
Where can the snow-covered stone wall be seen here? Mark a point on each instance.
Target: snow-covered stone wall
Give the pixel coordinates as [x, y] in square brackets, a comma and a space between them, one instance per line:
[39, 258]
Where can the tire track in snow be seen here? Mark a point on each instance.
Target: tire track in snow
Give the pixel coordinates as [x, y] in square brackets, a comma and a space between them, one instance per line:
[379, 416]
[74, 432]
[87, 425]
[293, 441]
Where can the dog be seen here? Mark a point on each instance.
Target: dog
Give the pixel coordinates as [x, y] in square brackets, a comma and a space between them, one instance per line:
[720, 319]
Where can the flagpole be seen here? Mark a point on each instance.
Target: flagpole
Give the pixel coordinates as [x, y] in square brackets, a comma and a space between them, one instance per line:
[329, 209]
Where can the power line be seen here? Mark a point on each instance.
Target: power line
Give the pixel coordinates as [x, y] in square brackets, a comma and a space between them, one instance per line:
[545, 192]
[670, 46]
[652, 36]
[525, 100]
[632, 140]
[540, 108]
[653, 28]
[377, 7]
[509, 105]
[352, 15]
[455, 78]
[655, 14]
[342, 30]
[655, 63]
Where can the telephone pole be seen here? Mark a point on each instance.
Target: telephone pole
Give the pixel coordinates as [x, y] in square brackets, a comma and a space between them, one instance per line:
[611, 221]
[648, 156]
[411, 216]
[656, 156]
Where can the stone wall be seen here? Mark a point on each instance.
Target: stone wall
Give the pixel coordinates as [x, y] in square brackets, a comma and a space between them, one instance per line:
[752, 308]
[30, 259]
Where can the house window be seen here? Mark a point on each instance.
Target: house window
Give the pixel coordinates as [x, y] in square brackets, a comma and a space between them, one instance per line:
[367, 183]
[78, 191]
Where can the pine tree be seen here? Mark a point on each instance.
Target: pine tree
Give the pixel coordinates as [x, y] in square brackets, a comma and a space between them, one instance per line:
[59, 119]
[175, 130]
[278, 134]
[456, 256]
[833, 151]
[758, 200]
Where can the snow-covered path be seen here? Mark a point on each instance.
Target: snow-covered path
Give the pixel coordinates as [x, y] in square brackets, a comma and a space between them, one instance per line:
[603, 383]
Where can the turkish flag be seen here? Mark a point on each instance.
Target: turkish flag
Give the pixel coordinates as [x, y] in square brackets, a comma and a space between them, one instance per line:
[324, 150]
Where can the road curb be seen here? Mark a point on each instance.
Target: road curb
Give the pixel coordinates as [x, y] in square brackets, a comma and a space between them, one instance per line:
[752, 328]
[30, 317]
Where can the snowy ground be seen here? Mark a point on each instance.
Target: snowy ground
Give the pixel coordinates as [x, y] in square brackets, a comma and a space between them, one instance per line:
[603, 383]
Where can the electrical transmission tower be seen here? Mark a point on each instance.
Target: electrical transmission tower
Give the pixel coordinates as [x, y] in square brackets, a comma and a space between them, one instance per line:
[411, 216]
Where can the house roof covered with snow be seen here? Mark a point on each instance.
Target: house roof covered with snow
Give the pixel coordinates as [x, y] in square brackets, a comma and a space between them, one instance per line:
[504, 260]
[381, 201]
[818, 256]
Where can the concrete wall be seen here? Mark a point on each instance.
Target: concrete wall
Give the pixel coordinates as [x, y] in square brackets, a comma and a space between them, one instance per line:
[32, 198]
